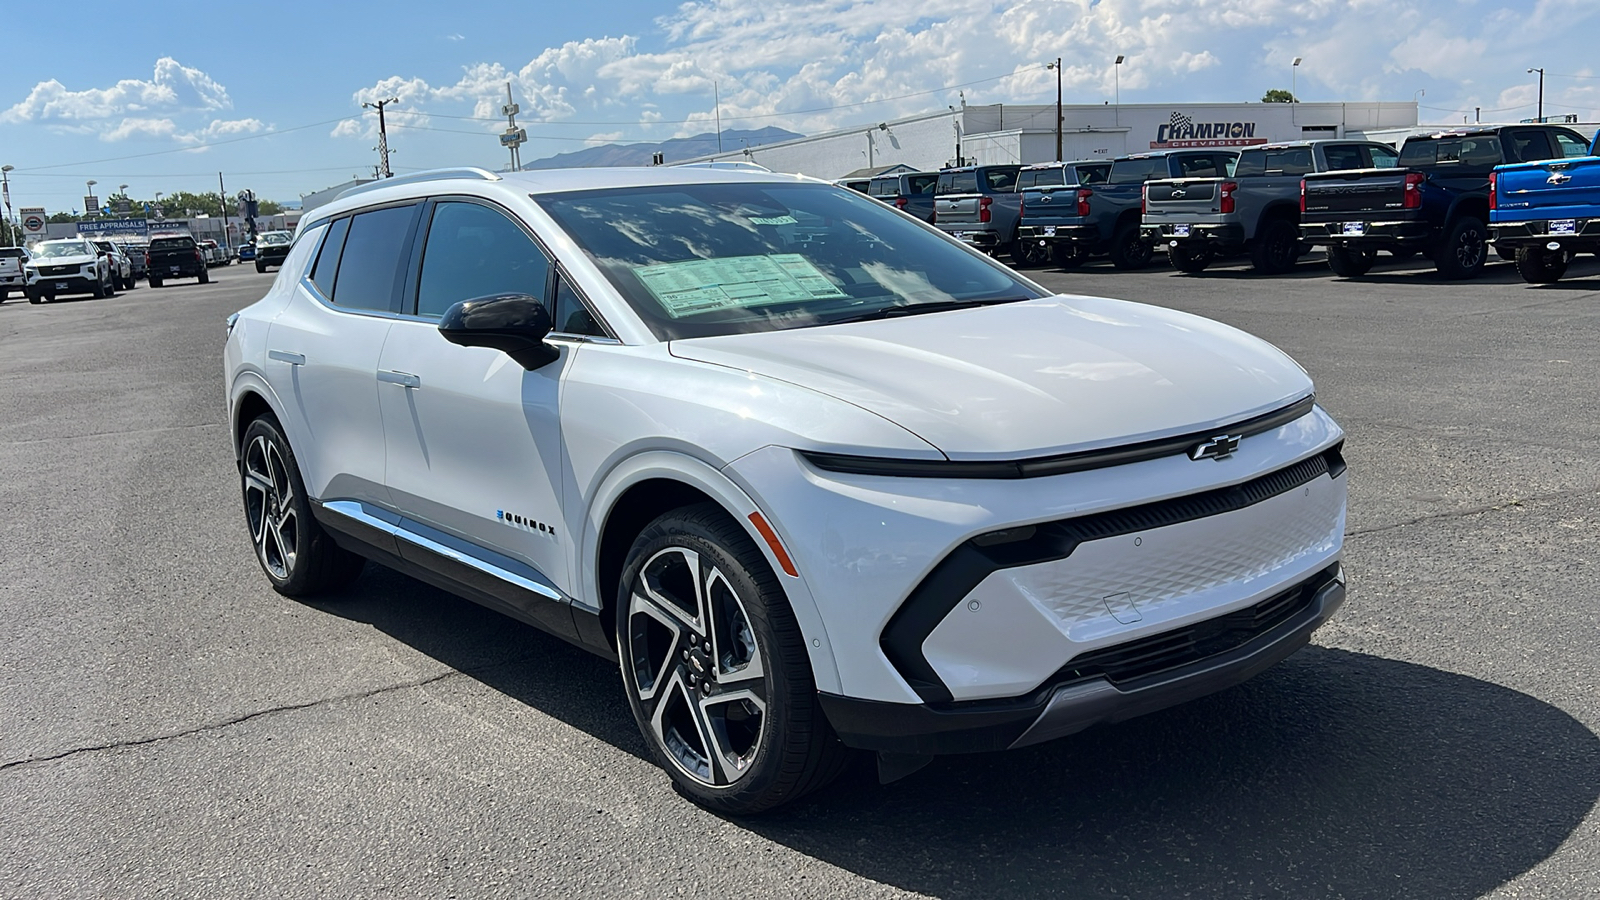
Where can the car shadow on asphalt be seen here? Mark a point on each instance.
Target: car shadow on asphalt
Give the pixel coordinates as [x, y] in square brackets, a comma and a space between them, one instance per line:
[1334, 774]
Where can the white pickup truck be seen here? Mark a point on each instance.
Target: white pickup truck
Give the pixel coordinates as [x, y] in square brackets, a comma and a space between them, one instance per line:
[11, 277]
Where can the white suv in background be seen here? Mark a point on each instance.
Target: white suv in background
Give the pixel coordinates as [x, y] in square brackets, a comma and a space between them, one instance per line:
[817, 476]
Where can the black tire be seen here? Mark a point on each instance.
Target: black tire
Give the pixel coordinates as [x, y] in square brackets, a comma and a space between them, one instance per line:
[1128, 249]
[261, 266]
[1188, 259]
[1465, 249]
[4, 293]
[205, 276]
[1065, 256]
[155, 282]
[1537, 265]
[1276, 247]
[790, 749]
[1028, 253]
[297, 556]
[101, 289]
[34, 296]
[1349, 263]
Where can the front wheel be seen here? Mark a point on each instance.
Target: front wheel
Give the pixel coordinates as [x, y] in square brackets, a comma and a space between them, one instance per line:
[205, 277]
[155, 282]
[1537, 265]
[261, 267]
[1466, 248]
[1349, 262]
[1188, 259]
[1128, 249]
[33, 296]
[716, 669]
[298, 557]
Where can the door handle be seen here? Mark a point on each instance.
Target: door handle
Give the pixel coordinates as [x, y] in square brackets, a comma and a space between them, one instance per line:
[293, 359]
[404, 379]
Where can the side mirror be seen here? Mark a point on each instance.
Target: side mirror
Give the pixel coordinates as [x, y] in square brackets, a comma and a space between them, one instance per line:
[515, 324]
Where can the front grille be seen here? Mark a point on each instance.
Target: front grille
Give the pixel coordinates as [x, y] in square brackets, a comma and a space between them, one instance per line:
[1173, 649]
[55, 271]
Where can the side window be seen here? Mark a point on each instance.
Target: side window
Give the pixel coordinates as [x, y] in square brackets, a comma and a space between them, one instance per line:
[1226, 163]
[1570, 146]
[374, 251]
[474, 251]
[572, 317]
[1093, 174]
[1528, 146]
[328, 260]
[1383, 157]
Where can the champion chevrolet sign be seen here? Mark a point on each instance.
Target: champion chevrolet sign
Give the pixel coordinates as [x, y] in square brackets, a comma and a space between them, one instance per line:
[1182, 131]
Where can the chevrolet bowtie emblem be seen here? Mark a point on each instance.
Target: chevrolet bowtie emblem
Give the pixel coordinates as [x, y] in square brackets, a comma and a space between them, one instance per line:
[1558, 178]
[1218, 447]
[1178, 192]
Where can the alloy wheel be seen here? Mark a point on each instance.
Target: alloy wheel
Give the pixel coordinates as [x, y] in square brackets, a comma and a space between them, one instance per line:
[269, 507]
[1470, 249]
[692, 659]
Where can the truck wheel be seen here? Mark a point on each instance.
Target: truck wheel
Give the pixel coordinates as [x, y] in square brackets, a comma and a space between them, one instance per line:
[4, 293]
[100, 290]
[1128, 249]
[1028, 253]
[1464, 251]
[205, 277]
[32, 295]
[1276, 247]
[1537, 265]
[1066, 256]
[1350, 263]
[1188, 259]
[155, 282]
[261, 266]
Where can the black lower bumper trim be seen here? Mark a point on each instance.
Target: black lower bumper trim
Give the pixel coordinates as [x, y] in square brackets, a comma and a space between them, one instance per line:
[1059, 709]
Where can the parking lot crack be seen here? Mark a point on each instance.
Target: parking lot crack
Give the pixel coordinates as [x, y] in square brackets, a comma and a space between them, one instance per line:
[1467, 512]
[257, 714]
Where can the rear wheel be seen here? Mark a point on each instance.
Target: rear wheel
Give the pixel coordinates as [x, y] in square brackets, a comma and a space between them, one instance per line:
[1029, 253]
[205, 276]
[1349, 262]
[1537, 265]
[1276, 247]
[1188, 259]
[1128, 249]
[1465, 249]
[298, 557]
[155, 282]
[715, 668]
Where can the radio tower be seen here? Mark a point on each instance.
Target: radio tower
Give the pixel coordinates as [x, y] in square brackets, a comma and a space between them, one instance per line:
[383, 137]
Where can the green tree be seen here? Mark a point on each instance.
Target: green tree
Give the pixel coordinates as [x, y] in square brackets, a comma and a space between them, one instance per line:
[1277, 95]
[62, 217]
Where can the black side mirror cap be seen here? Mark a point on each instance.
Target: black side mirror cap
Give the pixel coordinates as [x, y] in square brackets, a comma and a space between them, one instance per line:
[514, 324]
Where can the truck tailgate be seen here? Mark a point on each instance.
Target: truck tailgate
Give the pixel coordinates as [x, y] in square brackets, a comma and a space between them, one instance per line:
[1356, 190]
[956, 208]
[1186, 197]
[1555, 188]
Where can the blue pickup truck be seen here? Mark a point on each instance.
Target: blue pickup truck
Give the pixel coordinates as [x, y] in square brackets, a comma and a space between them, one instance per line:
[1546, 212]
[1107, 214]
[1054, 196]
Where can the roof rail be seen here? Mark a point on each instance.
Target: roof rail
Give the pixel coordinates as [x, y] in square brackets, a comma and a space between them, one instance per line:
[419, 177]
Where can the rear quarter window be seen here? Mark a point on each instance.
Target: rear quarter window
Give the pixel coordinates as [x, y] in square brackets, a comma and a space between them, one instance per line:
[1134, 171]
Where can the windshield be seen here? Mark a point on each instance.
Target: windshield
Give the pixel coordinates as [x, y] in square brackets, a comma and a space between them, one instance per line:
[64, 248]
[710, 259]
[273, 237]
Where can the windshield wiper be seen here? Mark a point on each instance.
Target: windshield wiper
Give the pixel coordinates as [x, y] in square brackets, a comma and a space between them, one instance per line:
[916, 309]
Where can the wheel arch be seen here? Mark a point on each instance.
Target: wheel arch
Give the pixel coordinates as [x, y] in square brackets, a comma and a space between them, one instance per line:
[1477, 207]
[643, 487]
[1277, 209]
[252, 397]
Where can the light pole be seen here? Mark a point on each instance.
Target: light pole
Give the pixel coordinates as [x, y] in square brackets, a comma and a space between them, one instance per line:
[1541, 91]
[1116, 70]
[1057, 66]
[1294, 81]
[11, 225]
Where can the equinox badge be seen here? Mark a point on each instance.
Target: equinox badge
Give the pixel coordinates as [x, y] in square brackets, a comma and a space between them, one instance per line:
[1218, 447]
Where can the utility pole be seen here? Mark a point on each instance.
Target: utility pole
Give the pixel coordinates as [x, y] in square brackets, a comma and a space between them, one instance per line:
[716, 95]
[513, 138]
[1541, 92]
[222, 200]
[1057, 66]
[383, 136]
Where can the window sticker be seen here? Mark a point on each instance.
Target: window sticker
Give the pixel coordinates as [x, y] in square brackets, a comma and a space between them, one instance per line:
[705, 285]
[774, 220]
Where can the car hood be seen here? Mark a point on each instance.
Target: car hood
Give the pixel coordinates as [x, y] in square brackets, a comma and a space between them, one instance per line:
[1034, 378]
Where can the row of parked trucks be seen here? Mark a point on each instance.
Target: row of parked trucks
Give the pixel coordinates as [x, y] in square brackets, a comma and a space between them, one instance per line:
[1530, 192]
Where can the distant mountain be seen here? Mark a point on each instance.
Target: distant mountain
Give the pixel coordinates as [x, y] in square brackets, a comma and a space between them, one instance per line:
[675, 150]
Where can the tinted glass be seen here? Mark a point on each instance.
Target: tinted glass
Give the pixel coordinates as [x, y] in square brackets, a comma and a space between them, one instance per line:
[1038, 177]
[328, 259]
[1477, 150]
[708, 259]
[474, 251]
[1383, 157]
[884, 187]
[957, 183]
[171, 243]
[370, 265]
[921, 184]
[1001, 179]
[1198, 167]
[1135, 171]
[1093, 174]
[1527, 146]
[1570, 146]
[572, 317]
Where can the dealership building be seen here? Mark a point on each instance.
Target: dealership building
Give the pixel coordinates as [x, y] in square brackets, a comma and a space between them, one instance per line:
[1006, 133]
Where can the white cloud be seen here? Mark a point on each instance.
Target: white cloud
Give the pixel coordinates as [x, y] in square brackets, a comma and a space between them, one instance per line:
[172, 88]
[217, 129]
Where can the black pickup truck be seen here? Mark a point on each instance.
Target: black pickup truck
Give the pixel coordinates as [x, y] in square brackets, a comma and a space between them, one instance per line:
[175, 256]
[1435, 200]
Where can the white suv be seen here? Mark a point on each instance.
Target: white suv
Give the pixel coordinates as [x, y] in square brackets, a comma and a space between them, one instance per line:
[817, 475]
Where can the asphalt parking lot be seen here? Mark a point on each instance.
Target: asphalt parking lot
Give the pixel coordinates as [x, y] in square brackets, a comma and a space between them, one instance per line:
[172, 727]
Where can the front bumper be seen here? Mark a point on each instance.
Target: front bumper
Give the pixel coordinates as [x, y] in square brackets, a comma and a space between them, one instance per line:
[1583, 238]
[1241, 646]
[76, 283]
[1372, 234]
[1213, 236]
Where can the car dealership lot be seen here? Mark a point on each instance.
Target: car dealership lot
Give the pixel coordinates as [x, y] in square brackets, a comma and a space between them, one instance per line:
[171, 725]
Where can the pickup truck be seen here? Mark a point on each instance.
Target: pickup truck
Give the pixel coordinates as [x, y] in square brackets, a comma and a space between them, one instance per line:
[979, 205]
[1255, 210]
[1107, 214]
[910, 192]
[1052, 194]
[175, 256]
[12, 261]
[1435, 199]
[1546, 212]
[121, 265]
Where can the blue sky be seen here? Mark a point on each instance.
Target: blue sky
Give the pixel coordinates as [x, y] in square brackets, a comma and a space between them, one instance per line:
[162, 95]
